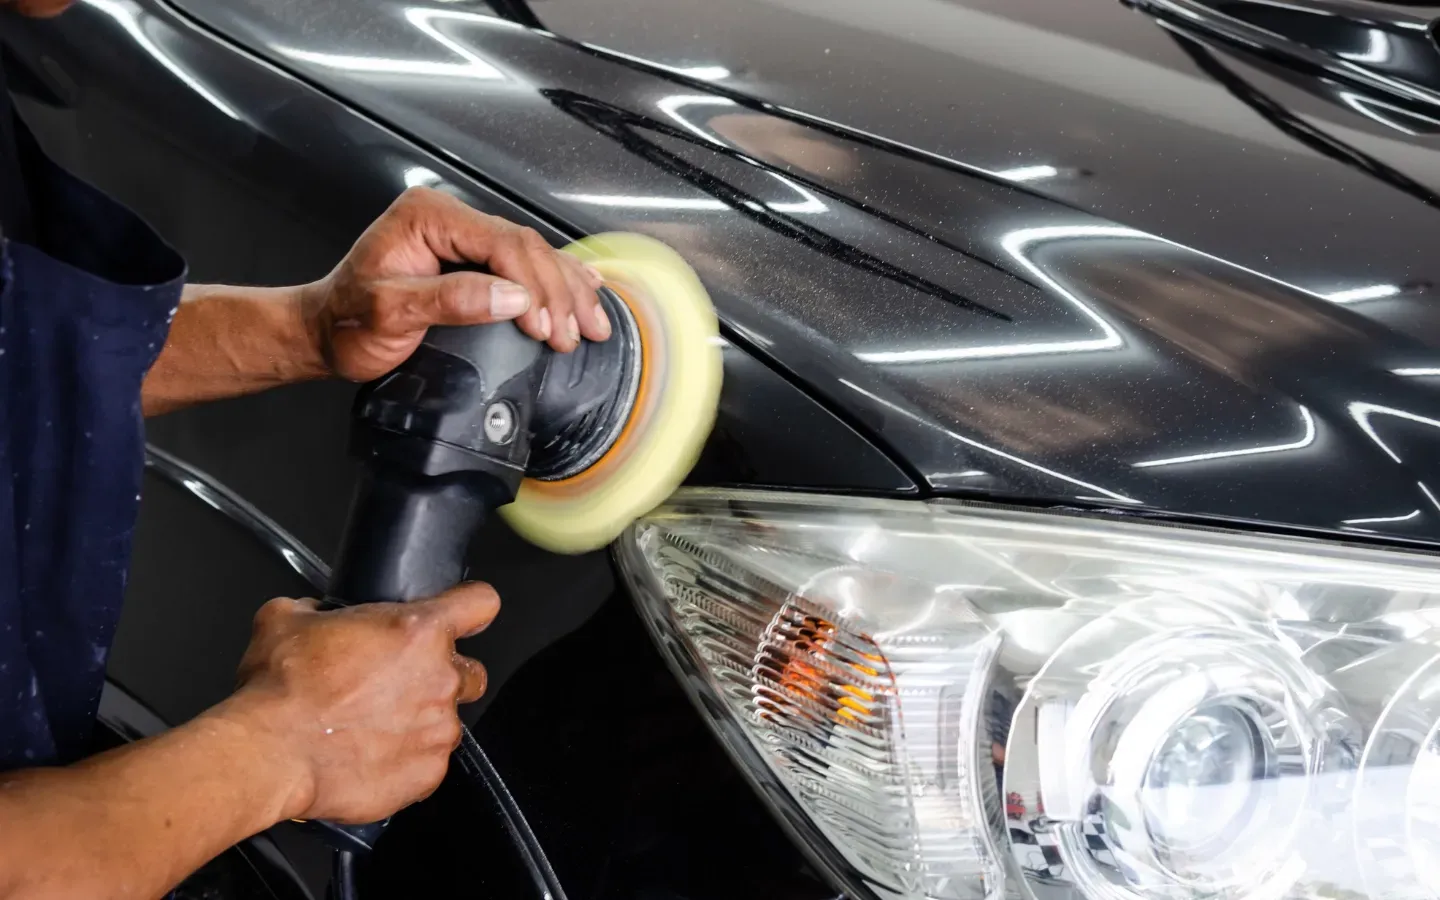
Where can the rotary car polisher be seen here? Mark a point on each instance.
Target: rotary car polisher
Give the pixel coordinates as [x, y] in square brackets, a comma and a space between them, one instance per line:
[570, 448]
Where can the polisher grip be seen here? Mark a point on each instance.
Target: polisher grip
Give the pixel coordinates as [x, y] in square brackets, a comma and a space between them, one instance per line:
[406, 540]
[445, 439]
[406, 537]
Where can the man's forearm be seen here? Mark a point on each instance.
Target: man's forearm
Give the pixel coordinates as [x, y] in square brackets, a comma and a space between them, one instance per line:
[135, 821]
[227, 341]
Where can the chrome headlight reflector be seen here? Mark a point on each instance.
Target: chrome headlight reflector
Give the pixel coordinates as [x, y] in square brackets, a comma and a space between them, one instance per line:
[949, 700]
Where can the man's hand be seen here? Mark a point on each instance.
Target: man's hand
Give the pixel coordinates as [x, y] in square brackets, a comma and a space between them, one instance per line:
[370, 313]
[364, 699]
[347, 715]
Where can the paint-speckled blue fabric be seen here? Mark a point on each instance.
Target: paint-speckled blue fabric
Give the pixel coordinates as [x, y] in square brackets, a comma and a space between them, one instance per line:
[85, 305]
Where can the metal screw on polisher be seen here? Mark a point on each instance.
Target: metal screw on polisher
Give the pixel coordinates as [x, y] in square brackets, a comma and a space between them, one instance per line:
[499, 423]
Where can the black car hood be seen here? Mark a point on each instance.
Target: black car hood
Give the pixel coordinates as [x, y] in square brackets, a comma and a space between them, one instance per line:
[1033, 249]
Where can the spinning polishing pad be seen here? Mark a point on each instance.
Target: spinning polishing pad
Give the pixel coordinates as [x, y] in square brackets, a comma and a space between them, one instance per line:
[673, 411]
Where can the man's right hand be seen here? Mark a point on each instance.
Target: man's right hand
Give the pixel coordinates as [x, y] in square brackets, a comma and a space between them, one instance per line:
[362, 700]
[347, 715]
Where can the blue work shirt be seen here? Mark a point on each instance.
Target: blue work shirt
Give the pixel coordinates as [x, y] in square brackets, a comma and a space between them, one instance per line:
[87, 292]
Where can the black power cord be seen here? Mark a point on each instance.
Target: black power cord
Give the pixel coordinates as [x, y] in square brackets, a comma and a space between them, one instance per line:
[342, 881]
[475, 764]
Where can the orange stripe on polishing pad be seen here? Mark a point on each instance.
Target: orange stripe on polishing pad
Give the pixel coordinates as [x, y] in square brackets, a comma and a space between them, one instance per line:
[578, 481]
[674, 410]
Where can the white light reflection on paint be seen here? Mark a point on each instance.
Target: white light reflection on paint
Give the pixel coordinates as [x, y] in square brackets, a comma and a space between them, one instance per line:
[1014, 243]
[671, 107]
[201, 490]
[1351, 63]
[419, 176]
[1377, 51]
[1381, 520]
[639, 201]
[1374, 109]
[382, 66]
[127, 15]
[718, 73]
[1368, 292]
[1306, 440]
[701, 73]
[423, 19]
[473, 67]
[752, 336]
[929, 423]
[1028, 173]
[1428, 495]
[809, 203]
[1415, 373]
[702, 204]
[1362, 412]
[704, 73]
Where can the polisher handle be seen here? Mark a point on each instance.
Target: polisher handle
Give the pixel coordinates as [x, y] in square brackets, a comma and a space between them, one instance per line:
[406, 540]
[406, 537]
[445, 439]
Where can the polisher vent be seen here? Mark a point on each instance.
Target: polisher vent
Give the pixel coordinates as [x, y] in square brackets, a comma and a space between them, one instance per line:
[568, 445]
[587, 398]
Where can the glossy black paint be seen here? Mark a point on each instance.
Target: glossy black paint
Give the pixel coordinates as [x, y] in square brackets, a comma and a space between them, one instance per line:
[270, 186]
[1163, 323]
[1379, 47]
[1059, 253]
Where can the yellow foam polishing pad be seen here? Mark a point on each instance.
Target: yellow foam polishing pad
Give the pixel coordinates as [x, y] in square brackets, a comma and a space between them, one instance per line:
[674, 411]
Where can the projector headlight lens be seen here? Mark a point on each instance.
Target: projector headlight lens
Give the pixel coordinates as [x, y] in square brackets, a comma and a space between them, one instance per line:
[965, 701]
[1201, 782]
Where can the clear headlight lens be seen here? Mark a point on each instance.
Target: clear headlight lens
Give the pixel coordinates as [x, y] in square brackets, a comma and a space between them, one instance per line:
[966, 701]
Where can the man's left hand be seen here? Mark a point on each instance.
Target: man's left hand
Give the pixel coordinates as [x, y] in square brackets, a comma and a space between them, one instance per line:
[371, 312]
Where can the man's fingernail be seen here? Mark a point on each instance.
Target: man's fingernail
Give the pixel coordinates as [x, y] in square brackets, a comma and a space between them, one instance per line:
[595, 277]
[602, 322]
[572, 329]
[544, 324]
[508, 300]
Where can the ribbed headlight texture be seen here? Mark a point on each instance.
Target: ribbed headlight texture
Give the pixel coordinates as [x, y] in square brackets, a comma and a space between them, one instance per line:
[963, 701]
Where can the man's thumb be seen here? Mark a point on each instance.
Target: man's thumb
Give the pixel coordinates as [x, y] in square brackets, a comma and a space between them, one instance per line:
[466, 609]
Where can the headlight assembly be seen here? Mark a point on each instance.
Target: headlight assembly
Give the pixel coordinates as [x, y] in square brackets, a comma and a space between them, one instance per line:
[966, 701]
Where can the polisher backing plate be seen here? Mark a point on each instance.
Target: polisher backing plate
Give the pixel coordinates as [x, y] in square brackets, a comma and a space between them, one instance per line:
[674, 411]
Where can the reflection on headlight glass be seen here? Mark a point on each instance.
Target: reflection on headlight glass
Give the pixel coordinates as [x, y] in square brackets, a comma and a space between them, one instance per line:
[964, 701]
